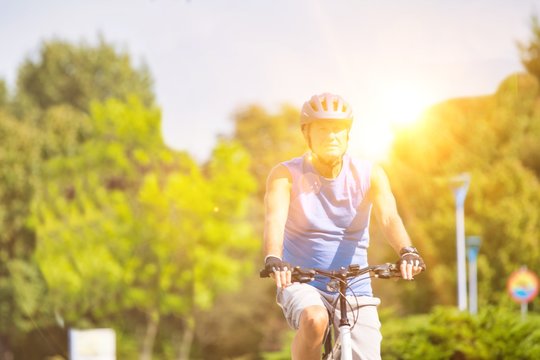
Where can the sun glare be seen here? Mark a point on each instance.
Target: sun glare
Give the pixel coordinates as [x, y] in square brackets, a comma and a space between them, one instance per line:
[402, 107]
[397, 109]
[371, 141]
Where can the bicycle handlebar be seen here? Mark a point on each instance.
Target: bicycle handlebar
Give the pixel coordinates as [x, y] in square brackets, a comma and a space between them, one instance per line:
[304, 275]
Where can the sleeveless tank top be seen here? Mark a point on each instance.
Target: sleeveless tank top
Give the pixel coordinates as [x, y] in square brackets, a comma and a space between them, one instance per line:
[328, 221]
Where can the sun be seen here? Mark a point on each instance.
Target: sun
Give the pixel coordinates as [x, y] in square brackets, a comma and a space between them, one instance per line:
[397, 108]
[403, 106]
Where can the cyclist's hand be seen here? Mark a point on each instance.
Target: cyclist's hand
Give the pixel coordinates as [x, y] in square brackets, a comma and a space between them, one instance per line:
[280, 271]
[410, 262]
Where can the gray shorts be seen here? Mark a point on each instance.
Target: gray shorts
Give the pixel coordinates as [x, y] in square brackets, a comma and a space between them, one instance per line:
[366, 334]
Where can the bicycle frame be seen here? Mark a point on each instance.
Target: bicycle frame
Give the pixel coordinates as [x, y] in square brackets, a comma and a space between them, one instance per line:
[343, 345]
[345, 340]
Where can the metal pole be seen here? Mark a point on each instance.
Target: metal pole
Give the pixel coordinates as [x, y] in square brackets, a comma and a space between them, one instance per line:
[460, 192]
[524, 304]
[473, 246]
[473, 288]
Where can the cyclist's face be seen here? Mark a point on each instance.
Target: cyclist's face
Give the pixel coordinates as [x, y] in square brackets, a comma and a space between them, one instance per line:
[328, 138]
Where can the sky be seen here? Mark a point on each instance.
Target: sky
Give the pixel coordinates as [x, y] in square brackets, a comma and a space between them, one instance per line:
[390, 59]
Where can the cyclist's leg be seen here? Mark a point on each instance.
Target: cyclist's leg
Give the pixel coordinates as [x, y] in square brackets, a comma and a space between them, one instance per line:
[366, 333]
[310, 335]
[305, 312]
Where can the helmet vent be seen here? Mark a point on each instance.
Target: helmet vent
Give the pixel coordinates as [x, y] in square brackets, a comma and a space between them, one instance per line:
[336, 105]
[325, 106]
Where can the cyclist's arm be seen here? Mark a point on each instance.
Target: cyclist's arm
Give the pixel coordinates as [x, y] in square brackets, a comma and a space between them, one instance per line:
[276, 200]
[385, 211]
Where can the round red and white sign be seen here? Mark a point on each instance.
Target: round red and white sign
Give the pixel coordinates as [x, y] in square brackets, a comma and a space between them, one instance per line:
[522, 285]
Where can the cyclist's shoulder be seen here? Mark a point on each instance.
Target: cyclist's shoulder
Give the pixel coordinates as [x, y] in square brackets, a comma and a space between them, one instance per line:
[279, 172]
[294, 163]
[286, 169]
[359, 163]
[378, 178]
[361, 169]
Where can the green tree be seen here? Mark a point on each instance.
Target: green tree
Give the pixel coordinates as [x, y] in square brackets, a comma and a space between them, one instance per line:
[52, 100]
[530, 52]
[20, 285]
[126, 226]
[268, 138]
[3, 93]
[47, 118]
[485, 137]
[64, 73]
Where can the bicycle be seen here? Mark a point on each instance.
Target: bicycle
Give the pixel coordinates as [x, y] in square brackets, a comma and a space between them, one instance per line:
[342, 348]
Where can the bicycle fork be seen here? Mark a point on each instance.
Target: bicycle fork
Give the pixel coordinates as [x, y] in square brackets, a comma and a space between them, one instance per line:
[342, 348]
[344, 324]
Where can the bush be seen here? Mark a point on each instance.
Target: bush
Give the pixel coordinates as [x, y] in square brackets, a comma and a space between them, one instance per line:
[446, 333]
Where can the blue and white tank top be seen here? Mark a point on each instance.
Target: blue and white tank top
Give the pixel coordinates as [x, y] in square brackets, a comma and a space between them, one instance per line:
[328, 222]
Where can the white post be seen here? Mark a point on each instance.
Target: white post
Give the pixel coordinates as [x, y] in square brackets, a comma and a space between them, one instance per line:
[473, 246]
[460, 192]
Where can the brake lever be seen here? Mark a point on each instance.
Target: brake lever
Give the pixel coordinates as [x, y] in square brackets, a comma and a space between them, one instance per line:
[298, 275]
[387, 271]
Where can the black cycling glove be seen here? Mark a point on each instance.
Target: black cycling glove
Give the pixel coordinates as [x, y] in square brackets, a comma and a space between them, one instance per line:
[410, 255]
[273, 263]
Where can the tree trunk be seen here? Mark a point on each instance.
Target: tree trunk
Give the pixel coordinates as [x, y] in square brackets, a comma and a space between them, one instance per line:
[5, 350]
[187, 338]
[150, 335]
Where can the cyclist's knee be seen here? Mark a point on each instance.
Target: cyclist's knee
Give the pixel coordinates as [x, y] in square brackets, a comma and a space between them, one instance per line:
[314, 319]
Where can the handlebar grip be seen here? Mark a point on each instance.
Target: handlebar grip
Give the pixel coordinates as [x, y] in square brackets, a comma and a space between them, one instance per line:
[264, 273]
[298, 275]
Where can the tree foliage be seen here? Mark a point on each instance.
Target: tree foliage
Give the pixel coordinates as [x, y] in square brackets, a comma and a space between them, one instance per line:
[125, 225]
[64, 73]
[47, 118]
[20, 282]
[484, 137]
[530, 51]
[268, 138]
[3, 93]
[132, 235]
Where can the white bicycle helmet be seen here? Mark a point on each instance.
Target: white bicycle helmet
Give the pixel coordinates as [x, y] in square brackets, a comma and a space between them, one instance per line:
[325, 107]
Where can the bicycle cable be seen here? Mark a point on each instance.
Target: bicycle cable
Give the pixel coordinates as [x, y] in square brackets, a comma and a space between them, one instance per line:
[349, 305]
[349, 287]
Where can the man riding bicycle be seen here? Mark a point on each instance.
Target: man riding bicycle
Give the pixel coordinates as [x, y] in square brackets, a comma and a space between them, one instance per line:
[317, 212]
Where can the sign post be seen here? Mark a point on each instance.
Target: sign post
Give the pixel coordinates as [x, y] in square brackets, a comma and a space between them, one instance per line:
[473, 246]
[523, 287]
[460, 185]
